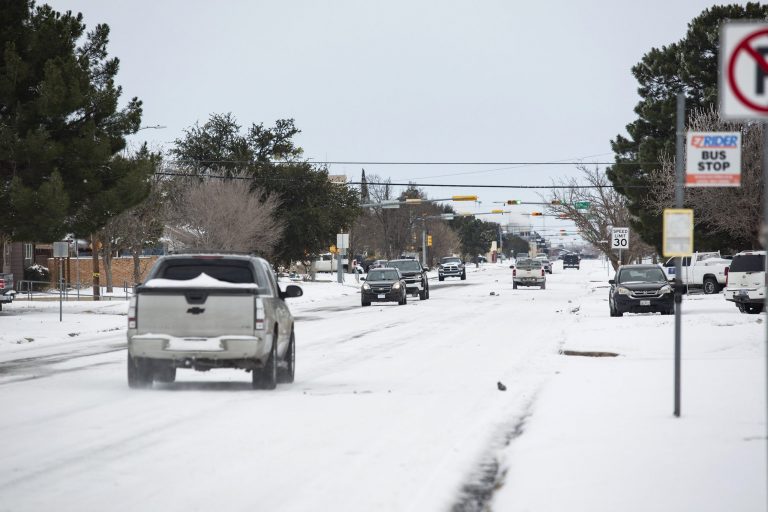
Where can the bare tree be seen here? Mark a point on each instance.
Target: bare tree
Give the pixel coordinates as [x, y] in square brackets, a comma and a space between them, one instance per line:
[607, 209]
[224, 214]
[734, 211]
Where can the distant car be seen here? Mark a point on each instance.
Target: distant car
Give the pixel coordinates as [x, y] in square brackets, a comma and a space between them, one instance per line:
[545, 262]
[745, 281]
[414, 275]
[451, 266]
[640, 289]
[528, 272]
[571, 261]
[377, 264]
[383, 285]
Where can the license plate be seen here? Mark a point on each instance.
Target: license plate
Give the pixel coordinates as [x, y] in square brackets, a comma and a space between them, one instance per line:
[381, 295]
[645, 303]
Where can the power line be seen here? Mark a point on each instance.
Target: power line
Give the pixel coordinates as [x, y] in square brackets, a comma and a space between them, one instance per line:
[440, 185]
[385, 162]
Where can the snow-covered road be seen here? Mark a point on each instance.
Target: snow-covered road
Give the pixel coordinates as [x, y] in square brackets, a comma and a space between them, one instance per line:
[393, 408]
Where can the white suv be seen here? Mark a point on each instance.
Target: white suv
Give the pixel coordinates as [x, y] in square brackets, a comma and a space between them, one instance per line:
[745, 281]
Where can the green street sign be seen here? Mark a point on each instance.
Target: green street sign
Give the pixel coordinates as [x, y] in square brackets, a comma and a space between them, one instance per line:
[581, 205]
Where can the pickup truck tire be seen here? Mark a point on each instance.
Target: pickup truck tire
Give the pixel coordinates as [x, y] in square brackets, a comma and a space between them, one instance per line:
[441, 278]
[514, 286]
[266, 378]
[286, 375]
[365, 303]
[422, 294]
[754, 309]
[464, 276]
[139, 373]
[711, 285]
[427, 292]
[544, 286]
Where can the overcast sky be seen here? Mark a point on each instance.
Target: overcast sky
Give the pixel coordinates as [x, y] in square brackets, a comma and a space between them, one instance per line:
[446, 81]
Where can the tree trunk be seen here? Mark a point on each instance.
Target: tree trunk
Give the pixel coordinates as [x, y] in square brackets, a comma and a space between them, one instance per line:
[95, 259]
[107, 257]
[136, 266]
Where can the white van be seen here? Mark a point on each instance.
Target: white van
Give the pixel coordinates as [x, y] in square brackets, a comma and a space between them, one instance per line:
[745, 281]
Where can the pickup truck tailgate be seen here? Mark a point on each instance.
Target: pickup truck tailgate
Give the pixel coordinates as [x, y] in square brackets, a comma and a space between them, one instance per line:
[195, 313]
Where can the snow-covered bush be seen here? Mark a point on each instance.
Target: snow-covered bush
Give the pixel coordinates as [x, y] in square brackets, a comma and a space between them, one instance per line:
[38, 273]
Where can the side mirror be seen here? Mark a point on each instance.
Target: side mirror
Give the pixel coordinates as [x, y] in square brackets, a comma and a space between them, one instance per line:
[362, 279]
[611, 281]
[511, 266]
[426, 269]
[291, 291]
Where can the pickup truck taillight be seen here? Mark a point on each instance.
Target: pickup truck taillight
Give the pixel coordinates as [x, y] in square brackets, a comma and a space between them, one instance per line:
[726, 276]
[514, 272]
[132, 312]
[542, 271]
[2, 283]
[258, 319]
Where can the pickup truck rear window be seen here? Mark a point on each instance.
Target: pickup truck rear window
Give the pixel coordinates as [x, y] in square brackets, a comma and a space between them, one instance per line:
[229, 271]
[748, 263]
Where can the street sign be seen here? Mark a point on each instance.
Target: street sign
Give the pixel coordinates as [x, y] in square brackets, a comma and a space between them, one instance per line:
[620, 238]
[713, 159]
[581, 205]
[678, 232]
[60, 249]
[342, 241]
[743, 83]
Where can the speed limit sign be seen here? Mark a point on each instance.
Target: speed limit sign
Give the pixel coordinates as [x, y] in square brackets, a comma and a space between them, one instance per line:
[620, 238]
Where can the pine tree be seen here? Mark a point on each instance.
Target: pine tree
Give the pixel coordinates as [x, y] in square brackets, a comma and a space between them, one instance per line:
[364, 194]
[59, 122]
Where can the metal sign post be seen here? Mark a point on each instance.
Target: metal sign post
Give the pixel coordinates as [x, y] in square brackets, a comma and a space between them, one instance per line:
[61, 251]
[679, 172]
[342, 244]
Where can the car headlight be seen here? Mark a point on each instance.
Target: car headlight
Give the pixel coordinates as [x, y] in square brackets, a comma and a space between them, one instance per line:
[396, 286]
[666, 289]
[623, 291]
[366, 286]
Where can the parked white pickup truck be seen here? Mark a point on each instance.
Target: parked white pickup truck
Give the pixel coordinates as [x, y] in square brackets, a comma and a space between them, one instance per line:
[211, 311]
[704, 270]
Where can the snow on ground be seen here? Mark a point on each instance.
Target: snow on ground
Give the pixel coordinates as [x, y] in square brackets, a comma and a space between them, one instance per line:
[397, 408]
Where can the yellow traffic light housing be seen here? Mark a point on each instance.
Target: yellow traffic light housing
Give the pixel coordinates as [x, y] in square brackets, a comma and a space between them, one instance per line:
[464, 198]
[429, 240]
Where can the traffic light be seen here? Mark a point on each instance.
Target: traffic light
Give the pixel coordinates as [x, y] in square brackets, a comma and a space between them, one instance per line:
[429, 240]
[513, 201]
[536, 214]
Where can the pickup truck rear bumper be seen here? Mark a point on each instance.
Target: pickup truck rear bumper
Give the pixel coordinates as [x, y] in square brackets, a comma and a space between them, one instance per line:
[162, 346]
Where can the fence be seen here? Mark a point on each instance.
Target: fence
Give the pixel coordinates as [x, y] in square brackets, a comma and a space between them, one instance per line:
[42, 290]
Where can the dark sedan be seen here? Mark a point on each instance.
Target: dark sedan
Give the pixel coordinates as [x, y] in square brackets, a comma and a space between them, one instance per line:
[640, 289]
[383, 285]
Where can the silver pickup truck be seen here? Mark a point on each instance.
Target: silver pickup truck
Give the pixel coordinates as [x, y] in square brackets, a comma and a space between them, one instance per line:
[211, 311]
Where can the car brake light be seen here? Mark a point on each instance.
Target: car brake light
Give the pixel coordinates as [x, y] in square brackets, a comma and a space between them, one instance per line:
[258, 322]
[132, 313]
[542, 272]
[514, 272]
[2, 283]
[726, 277]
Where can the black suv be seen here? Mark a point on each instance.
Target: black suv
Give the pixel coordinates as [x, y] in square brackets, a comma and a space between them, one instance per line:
[383, 285]
[414, 275]
[640, 289]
